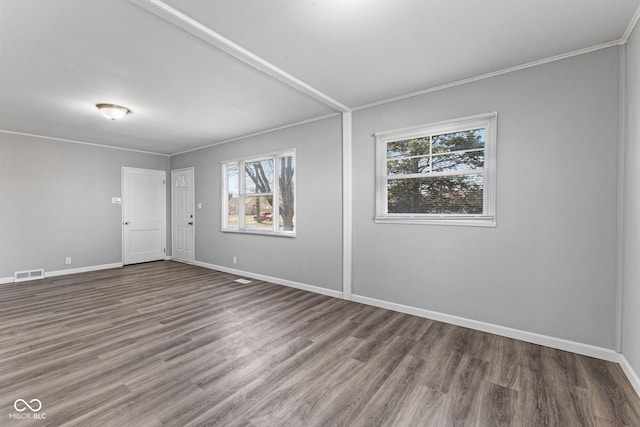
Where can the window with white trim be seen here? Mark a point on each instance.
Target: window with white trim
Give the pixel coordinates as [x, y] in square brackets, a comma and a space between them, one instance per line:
[441, 173]
[249, 188]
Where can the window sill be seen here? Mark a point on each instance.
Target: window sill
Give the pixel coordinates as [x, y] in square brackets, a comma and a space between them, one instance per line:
[290, 234]
[474, 221]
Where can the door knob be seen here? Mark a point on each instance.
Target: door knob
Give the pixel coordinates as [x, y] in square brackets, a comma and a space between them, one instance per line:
[126, 223]
[191, 223]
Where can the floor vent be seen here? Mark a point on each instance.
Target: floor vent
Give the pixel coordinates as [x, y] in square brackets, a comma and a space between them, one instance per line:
[243, 281]
[21, 276]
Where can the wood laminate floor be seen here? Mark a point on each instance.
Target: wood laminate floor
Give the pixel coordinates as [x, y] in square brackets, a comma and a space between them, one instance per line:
[168, 344]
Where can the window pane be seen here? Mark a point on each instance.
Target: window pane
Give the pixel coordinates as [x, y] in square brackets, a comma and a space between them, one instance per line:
[232, 195]
[461, 194]
[408, 147]
[259, 177]
[458, 161]
[407, 166]
[467, 140]
[259, 212]
[286, 182]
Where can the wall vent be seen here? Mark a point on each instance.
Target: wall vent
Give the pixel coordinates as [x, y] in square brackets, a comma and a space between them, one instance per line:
[21, 276]
[243, 281]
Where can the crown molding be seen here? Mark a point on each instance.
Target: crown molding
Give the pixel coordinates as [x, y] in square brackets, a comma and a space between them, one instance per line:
[631, 26]
[492, 74]
[262, 132]
[75, 141]
[184, 22]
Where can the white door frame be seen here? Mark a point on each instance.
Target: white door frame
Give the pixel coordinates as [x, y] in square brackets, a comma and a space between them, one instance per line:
[193, 206]
[122, 210]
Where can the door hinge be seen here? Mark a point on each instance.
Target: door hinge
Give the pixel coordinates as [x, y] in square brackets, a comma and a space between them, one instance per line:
[163, 182]
[164, 250]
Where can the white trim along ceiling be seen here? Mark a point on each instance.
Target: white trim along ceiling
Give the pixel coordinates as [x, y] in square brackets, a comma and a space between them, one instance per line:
[196, 74]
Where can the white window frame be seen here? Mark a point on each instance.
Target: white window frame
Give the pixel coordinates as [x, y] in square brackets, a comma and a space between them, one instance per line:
[242, 194]
[487, 121]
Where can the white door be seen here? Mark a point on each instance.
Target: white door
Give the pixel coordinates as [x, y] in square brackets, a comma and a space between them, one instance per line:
[182, 196]
[144, 215]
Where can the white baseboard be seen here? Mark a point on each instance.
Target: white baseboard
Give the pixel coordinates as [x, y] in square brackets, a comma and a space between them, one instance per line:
[82, 269]
[55, 273]
[184, 262]
[532, 337]
[283, 282]
[167, 258]
[634, 379]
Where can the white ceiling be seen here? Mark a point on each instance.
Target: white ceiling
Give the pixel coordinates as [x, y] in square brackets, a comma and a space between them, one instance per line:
[58, 58]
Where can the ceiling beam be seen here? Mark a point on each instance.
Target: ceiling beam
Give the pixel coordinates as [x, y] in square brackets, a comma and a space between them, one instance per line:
[206, 34]
[632, 25]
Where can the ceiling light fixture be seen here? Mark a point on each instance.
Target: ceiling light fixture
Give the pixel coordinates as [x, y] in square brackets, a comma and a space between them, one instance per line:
[112, 111]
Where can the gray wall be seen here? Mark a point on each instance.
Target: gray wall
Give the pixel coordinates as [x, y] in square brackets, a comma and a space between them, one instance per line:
[550, 265]
[631, 233]
[56, 202]
[314, 256]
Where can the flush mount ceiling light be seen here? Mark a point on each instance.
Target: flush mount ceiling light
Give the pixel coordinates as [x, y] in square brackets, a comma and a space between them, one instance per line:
[112, 111]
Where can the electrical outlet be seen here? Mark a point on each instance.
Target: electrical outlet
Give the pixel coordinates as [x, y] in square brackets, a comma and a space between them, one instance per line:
[67, 260]
[235, 259]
